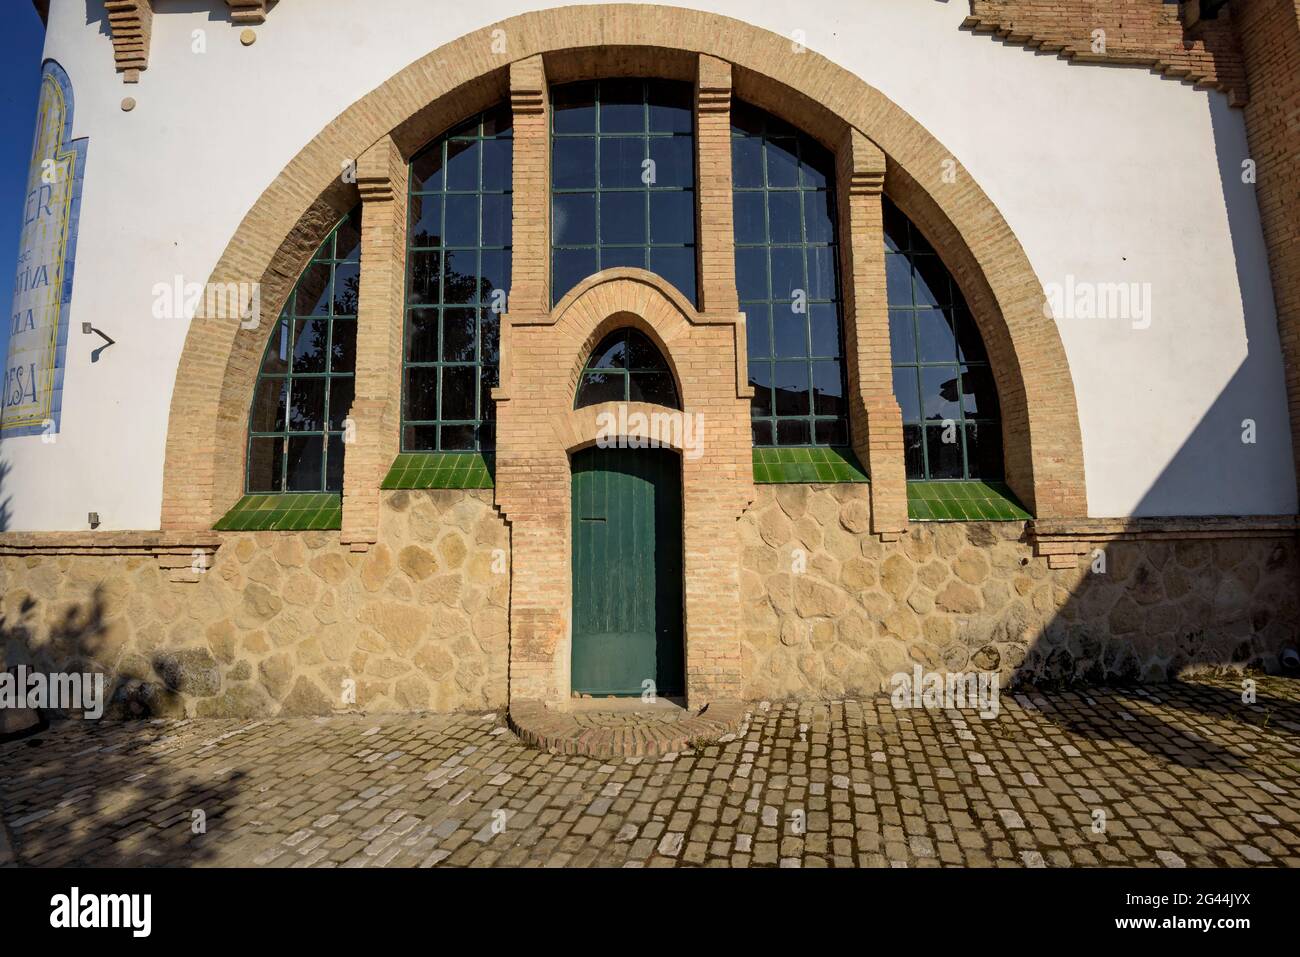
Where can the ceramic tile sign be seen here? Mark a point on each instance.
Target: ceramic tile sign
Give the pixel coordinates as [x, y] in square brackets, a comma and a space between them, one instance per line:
[38, 322]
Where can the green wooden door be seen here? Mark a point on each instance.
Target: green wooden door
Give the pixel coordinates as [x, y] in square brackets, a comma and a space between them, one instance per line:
[627, 571]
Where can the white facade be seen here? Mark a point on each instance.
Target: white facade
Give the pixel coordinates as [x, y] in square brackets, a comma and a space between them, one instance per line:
[1104, 173]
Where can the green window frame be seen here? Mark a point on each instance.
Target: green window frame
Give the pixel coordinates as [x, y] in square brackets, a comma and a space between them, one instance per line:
[943, 381]
[626, 367]
[788, 279]
[623, 181]
[457, 284]
[306, 382]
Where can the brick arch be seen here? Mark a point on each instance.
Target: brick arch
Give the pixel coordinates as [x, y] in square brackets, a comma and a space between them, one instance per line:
[217, 369]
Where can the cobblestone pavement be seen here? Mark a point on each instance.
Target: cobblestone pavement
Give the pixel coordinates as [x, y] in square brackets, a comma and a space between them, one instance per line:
[1172, 776]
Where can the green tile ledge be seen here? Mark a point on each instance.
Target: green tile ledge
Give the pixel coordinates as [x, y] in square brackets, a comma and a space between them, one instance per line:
[460, 470]
[796, 466]
[963, 501]
[284, 512]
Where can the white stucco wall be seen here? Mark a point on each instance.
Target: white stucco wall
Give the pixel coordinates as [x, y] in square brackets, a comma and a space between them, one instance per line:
[1104, 173]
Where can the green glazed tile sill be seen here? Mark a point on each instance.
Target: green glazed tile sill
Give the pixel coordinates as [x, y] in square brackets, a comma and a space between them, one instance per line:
[462, 470]
[963, 501]
[820, 465]
[284, 512]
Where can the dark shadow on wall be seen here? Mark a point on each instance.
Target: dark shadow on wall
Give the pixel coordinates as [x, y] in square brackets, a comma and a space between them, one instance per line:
[1163, 609]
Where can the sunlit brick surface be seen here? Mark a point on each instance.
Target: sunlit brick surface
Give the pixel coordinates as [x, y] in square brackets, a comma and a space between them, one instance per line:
[1185, 775]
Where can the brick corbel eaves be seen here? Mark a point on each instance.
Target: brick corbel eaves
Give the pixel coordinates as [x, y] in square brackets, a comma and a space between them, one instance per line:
[131, 24]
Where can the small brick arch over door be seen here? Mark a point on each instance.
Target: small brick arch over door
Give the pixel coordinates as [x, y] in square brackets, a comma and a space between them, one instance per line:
[218, 366]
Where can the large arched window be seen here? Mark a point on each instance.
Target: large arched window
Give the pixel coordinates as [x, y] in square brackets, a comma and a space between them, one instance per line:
[787, 274]
[626, 367]
[942, 378]
[457, 282]
[622, 181]
[305, 385]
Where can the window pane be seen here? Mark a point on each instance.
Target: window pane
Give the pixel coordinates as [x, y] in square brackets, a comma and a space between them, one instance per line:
[943, 446]
[312, 294]
[782, 165]
[674, 160]
[276, 358]
[573, 108]
[792, 432]
[931, 284]
[460, 284]
[761, 432]
[342, 392]
[672, 217]
[760, 377]
[746, 162]
[458, 438]
[671, 109]
[819, 217]
[347, 285]
[458, 328]
[422, 393]
[570, 267]
[784, 217]
[347, 237]
[497, 221]
[599, 387]
[305, 461]
[979, 392]
[462, 164]
[498, 162]
[821, 272]
[642, 354]
[334, 465]
[791, 388]
[613, 257]
[309, 345]
[935, 339]
[787, 272]
[758, 331]
[622, 108]
[420, 438]
[575, 219]
[426, 170]
[459, 389]
[939, 392]
[751, 273]
[573, 162]
[750, 223]
[830, 432]
[828, 388]
[825, 321]
[913, 455]
[623, 162]
[461, 226]
[423, 270]
[343, 346]
[906, 392]
[623, 218]
[494, 275]
[265, 464]
[902, 335]
[269, 400]
[984, 450]
[790, 331]
[656, 387]
[898, 280]
[307, 404]
[677, 265]
[422, 335]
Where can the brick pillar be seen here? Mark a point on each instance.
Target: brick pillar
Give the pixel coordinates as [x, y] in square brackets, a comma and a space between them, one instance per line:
[875, 421]
[532, 477]
[530, 272]
[1269, 34]
[376, 409]
[716, 238]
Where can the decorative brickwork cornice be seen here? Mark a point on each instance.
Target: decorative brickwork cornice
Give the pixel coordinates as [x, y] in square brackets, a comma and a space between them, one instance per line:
[1148, 33]
[1064, 541]
[131, 22]
[249, 12]
[183, 557]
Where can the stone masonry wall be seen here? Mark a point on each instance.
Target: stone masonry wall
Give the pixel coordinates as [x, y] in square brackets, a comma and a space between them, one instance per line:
[282, 620]
[832, 611]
